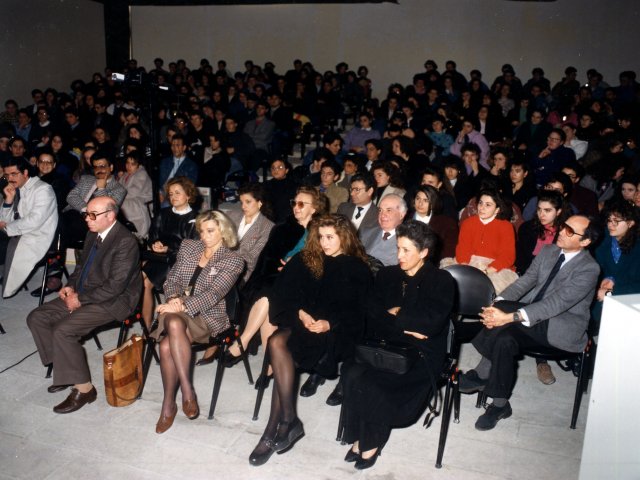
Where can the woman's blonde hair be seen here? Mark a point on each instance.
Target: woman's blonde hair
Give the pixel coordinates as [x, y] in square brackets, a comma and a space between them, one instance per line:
[312, 253]
[227, 230]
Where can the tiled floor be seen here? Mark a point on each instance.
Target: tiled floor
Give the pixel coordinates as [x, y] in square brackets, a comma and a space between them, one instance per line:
[103, 442]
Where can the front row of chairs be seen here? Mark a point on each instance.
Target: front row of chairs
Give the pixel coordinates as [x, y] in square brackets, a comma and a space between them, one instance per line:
[473, 291]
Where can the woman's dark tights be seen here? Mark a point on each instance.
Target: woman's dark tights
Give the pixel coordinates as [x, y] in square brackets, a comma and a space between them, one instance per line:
[282, 400]
[175, 362]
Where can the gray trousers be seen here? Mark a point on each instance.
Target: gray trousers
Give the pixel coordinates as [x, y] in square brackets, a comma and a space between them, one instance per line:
[57, 335]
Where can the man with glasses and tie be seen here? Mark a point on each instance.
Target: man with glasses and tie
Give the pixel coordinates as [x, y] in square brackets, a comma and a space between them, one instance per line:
[28, 221]
[105, 286]
[361, 211]
[548, 306]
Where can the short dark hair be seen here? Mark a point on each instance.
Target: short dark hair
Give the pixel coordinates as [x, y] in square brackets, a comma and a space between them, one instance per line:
[100, 155]
[333, 165]
[20, 163]
[364, 177]
[419, 233]
[470, 147]
[593, 231]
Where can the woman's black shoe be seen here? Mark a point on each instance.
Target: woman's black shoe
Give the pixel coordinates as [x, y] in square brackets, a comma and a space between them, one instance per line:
[362, 463]
[230, 360]
[285, 439]
[263, 382]
[262, 453]
[351, 456]
[209, 359]
[310, 387]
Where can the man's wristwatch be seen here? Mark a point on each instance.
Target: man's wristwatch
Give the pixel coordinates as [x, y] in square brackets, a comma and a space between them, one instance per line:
[517, 317]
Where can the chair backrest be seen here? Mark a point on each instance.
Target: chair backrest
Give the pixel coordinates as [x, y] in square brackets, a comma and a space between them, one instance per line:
[474, 290]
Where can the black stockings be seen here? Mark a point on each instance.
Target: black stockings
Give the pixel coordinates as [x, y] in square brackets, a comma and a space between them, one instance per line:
[175, 362]
[282, 401]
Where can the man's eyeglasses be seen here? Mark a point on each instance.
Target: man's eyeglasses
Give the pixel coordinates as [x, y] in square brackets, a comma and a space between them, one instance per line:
[93, 215]
[298, 204]
[277, 167]
[570, 231]
[356, 189]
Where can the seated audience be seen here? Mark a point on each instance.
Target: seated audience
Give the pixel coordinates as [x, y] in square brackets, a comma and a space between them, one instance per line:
[178, 165]
[380, 241]
[195, 309]
[318, 303]
[280, 189]
[104, 287]
[28, 222]
[137, 183]
[388, 181]
[555, 294]
[361, 210]
[329, 174]
[410, 303]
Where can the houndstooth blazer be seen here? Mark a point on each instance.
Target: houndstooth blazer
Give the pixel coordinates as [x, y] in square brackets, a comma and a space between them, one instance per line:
[212, 285]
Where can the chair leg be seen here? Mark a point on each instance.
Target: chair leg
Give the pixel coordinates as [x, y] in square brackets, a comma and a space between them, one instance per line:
[579, 390]
[217, 381]
[245, 361]
[456, 401]
[44, 282]
[446, 416]
[97, 340]
[2, 332]
[49, 370]
[124, 329]
[341, 425]
[149, 351]
[263, 373]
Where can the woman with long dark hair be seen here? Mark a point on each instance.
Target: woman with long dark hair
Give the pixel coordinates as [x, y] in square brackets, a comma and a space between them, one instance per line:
[318, 304]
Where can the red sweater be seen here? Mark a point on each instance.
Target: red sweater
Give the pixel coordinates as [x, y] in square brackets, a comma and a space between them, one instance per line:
[495, 240]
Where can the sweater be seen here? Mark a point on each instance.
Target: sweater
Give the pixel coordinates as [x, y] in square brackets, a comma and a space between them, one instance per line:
[494, 240]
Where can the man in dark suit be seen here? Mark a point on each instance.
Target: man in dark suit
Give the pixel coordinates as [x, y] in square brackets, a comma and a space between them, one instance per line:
[178, 164]
[104, 287]
[556, 292]
[381, 242]
[361, 210]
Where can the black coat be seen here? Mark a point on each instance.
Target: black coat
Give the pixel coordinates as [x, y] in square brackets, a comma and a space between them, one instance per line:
[338, 296]
[425, 302]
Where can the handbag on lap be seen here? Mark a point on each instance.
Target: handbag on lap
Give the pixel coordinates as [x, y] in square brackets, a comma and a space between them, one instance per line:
[123, 372]
[390, 357]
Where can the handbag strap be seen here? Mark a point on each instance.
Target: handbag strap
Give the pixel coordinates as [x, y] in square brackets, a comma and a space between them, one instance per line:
[434, 411]
[137, 374]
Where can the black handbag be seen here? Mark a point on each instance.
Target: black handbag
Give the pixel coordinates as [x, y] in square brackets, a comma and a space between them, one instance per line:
[390, 357]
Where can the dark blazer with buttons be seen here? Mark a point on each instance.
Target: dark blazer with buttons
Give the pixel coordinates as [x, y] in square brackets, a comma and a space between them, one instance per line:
[566, 301]
[113, 280]
[214, 282]
[370, 219]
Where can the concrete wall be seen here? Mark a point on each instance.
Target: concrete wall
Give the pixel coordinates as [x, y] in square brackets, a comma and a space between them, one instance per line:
[48, 43]
[395, 40]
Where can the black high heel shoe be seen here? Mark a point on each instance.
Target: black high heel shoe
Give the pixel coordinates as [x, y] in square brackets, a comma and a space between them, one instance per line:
[209, 359]
[263, 381]
[230, 359]
[262, 453]
[364, 463]
[284, 440]
[351, 456]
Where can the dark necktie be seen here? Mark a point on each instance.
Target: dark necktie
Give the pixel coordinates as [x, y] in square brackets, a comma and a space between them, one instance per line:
[386, 236]
[87, 265]
[16, 202]
[359, 214]
[552, 275]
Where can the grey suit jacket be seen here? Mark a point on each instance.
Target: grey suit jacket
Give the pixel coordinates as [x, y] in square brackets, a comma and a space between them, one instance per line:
[113, 280]
[369, 221]
[567, 299]
[384, 250]
[253, 241]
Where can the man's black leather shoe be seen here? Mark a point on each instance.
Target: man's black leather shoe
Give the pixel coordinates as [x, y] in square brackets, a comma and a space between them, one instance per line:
[470, 382]
[336, 396]
[310, 387]
[489, 419]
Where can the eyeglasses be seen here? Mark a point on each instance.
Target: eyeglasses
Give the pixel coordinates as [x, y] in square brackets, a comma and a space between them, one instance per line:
[299, 204]
[277, 167]
[615, 221]
[45, 162]
[554, 139]
[356, 189]
[570, 231]
[92, 215]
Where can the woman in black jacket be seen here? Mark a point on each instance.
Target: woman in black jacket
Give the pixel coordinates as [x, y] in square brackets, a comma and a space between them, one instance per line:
[318, 303]
[410, 303]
